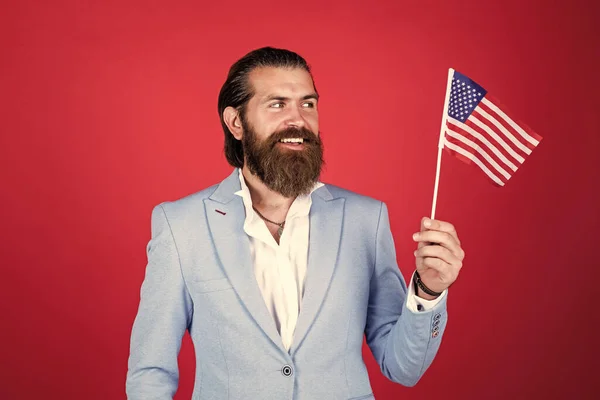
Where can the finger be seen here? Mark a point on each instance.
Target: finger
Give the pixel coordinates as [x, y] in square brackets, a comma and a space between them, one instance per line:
[444, 269]
[441, 253]
[437, 225]
[442, 238]
[423, 228]
[437, 237]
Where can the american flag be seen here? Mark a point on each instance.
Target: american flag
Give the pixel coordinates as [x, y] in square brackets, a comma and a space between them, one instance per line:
[478, 131]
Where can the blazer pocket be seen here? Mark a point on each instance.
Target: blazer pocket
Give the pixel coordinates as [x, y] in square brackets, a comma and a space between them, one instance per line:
[212, 285]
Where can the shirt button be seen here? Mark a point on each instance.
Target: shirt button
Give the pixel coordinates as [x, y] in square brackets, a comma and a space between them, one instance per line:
[286, 370]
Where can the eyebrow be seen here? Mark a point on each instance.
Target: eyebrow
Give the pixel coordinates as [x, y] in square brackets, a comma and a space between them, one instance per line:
[283, 98]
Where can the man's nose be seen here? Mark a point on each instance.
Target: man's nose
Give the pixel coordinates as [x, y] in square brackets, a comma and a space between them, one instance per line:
[295, 118]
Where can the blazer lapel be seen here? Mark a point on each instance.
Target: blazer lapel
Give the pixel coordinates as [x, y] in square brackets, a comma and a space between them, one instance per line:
[326, 216]
[226, 215]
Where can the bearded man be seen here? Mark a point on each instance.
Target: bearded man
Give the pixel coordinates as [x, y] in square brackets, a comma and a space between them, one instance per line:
[278, 276]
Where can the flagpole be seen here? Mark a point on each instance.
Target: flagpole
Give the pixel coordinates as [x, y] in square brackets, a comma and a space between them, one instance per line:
[441, 141]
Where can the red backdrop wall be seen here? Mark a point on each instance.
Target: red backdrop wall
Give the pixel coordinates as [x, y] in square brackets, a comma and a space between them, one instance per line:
[109, 108]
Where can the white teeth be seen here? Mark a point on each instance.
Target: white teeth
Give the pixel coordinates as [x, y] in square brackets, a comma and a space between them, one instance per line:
[292, 140]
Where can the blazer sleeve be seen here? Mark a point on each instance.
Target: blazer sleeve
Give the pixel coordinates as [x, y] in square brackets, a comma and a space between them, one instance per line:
[403, 342]
[164, 313]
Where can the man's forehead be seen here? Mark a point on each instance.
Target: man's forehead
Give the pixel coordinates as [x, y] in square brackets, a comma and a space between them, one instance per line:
[268, 81]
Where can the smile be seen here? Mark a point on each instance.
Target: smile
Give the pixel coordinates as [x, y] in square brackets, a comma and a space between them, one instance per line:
[292, 140]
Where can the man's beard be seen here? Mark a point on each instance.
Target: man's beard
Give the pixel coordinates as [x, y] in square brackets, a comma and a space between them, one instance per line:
[288, 172]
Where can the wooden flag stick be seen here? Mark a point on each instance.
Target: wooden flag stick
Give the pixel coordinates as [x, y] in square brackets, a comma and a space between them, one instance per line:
[441, 141]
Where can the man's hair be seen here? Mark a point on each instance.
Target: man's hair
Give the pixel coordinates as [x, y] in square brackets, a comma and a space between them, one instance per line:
[237, 91]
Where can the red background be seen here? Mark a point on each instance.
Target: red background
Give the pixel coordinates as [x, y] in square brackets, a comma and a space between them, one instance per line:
[109, 108]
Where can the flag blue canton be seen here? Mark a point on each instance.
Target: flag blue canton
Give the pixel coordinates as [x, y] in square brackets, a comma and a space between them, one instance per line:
[465, 95]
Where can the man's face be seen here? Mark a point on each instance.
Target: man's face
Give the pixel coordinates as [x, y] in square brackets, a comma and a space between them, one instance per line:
[281, 130]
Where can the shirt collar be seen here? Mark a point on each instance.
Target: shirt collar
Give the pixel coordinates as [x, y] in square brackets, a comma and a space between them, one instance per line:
[300, 206]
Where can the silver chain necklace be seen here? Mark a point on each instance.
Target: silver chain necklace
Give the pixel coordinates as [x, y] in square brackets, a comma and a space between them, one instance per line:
[280, 225]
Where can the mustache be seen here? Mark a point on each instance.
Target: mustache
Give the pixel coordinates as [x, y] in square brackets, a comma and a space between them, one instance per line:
[303, 133]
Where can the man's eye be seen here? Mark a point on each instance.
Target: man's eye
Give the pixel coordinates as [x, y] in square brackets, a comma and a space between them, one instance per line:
[277, 105]
[309, 105]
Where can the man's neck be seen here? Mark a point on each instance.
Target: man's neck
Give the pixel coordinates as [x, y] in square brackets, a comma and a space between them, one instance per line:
[262, 197]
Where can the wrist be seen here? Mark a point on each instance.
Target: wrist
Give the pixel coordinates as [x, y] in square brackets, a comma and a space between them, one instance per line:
[423, 295]
[423, 291]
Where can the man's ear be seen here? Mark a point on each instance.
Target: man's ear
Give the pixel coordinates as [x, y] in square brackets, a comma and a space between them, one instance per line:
[233, 121]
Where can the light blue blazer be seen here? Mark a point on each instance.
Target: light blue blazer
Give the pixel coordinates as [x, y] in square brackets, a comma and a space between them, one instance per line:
[200, 277]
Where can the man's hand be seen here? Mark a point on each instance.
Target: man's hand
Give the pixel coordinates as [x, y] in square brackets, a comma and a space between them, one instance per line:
[439, 256]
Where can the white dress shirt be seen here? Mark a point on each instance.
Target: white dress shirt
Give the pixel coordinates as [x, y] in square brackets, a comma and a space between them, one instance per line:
[280, 269]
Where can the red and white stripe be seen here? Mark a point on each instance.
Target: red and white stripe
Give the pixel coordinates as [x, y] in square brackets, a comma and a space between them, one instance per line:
[490, 139]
